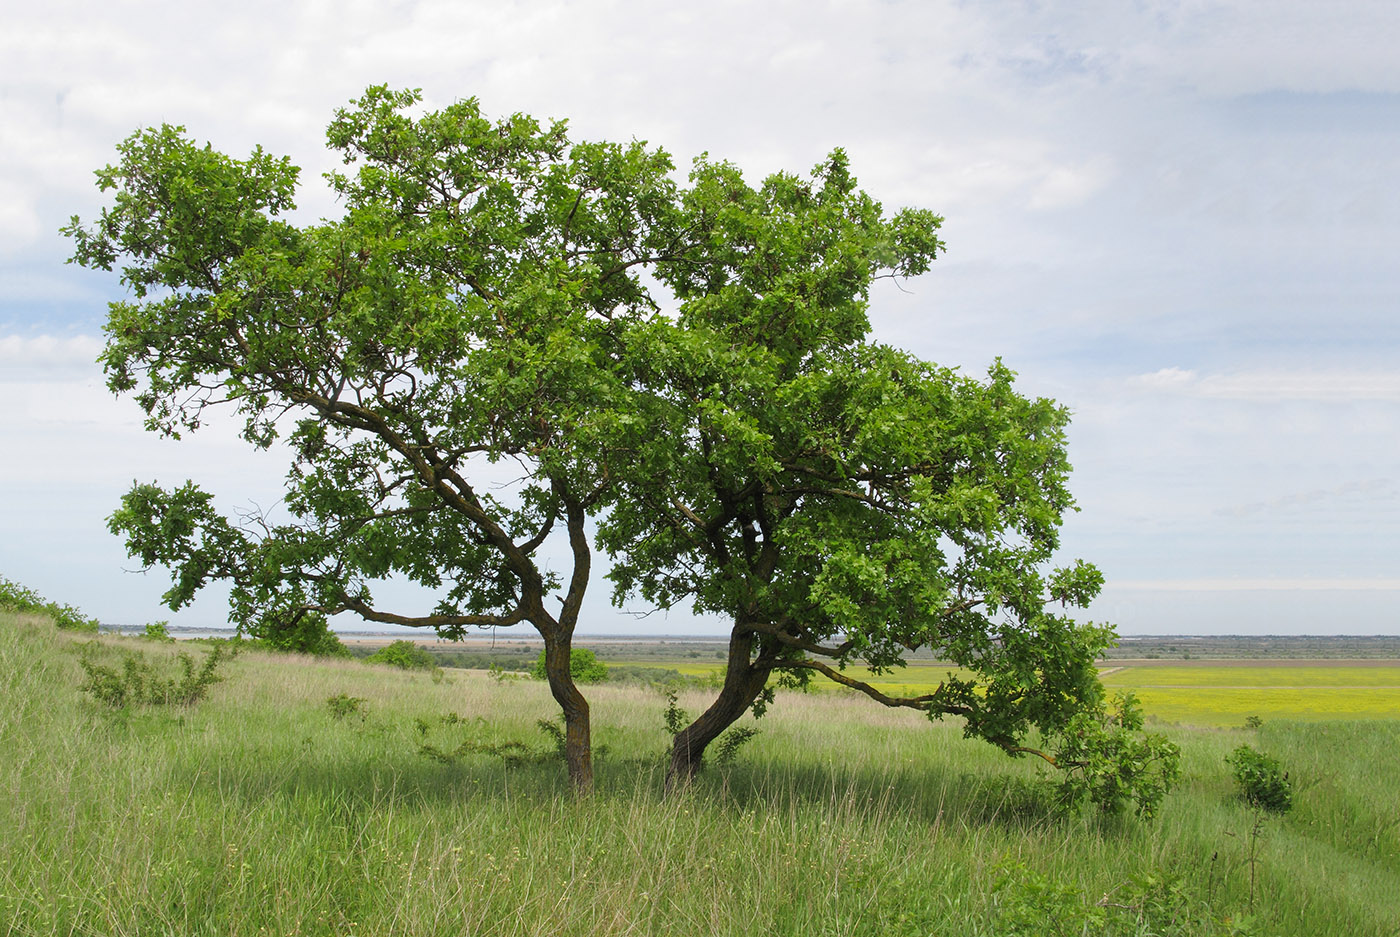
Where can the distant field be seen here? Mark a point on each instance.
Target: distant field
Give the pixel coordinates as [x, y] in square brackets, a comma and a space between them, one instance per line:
[1222, 693]
[1198, 692]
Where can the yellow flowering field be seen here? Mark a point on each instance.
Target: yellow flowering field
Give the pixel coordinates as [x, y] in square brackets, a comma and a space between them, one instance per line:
[1222, 693]
[1198, 692]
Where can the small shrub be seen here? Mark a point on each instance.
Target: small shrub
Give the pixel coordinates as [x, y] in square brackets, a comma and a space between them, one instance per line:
[675, 718]
[1029, 904]
[136, 683]
[1262, 781]
[158, 631]
[343, 705]
[584, 667]
[403, 654]
[554, 731]
[1253, 722]
[727, 745]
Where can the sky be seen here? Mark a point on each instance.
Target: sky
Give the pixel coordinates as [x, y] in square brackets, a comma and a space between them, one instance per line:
[1178, 219]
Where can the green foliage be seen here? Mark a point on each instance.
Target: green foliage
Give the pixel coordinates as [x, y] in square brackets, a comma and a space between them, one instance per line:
[674, 717]
[342, 705]
[157, 631]
[1105, 759]
[584, 666]
[1253, 722]
[16, 598]
[554, 731]
[403, 654]
[730, 741]
[480, 739]
[137, 683]
[1262, 782]
[1028, 903]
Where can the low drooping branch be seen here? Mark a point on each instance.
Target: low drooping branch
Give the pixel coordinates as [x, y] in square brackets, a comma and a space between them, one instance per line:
[923, 703]
[369, 613]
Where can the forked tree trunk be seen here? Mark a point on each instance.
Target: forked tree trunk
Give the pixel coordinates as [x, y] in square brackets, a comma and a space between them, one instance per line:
[578, 749]
[742, 684]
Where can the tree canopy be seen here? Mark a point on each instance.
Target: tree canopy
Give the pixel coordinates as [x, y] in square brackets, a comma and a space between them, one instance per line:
[687, 363]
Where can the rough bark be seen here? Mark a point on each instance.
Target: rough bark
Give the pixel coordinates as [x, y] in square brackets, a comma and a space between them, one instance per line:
[744, 679]
[578, 749]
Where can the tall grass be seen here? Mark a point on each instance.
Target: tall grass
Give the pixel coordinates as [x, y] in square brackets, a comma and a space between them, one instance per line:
[258, 811]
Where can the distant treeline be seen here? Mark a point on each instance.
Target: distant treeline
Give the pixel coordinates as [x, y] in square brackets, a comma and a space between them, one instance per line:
[1295, 647]
[507, 657]
[521, 659]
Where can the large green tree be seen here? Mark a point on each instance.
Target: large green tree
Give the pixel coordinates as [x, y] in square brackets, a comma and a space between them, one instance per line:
[841, 501]
[459, 324]
[481, 312]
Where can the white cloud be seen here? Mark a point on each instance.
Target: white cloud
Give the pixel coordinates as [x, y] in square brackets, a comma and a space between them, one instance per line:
[1254, 585]
[48, 353]
[1274, 385]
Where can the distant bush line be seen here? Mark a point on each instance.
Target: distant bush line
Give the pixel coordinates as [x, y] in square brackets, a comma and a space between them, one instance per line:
[16, 598]
[522, 659]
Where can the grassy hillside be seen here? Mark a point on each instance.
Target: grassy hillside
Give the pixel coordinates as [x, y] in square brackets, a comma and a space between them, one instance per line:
[260, 811]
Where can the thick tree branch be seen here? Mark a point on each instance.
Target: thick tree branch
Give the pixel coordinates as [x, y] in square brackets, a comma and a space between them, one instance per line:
[369, 613]
[923, 703]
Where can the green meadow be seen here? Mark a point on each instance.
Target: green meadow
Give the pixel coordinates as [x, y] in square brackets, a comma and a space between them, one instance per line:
[266, 808]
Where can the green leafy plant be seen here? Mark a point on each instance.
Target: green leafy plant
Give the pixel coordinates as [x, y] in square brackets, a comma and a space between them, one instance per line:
[674, 717]
[16, 598]
[342, 706]
[403, 654]
[727, 745]
[554, 731]
[1027, 903]
[584, 666]
[1266, 787]
[137, 682]
[158, 631]
[1262, 781]
[1103, 757]
[478, 741]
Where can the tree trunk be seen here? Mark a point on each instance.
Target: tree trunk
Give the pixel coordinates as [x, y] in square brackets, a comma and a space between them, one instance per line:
[742, 684]
[578, 749]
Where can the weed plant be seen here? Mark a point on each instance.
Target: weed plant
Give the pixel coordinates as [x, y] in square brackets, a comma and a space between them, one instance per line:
[137, 682]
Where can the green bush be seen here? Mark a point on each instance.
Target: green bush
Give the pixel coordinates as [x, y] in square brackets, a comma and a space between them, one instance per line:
[1027, 903]
[1262, 781]
[16, 598]
[584, 666]
[403, 654]
[136, 682]
[157, 631]
[345, 705]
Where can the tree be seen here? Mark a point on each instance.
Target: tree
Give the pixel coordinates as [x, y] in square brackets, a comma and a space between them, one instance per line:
[483, 304]
[462, 317]
[842, 501]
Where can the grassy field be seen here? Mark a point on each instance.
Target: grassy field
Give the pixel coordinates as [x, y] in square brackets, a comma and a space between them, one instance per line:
[259, 811]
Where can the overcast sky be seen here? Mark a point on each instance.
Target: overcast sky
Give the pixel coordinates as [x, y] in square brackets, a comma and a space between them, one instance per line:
[1177, 218]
